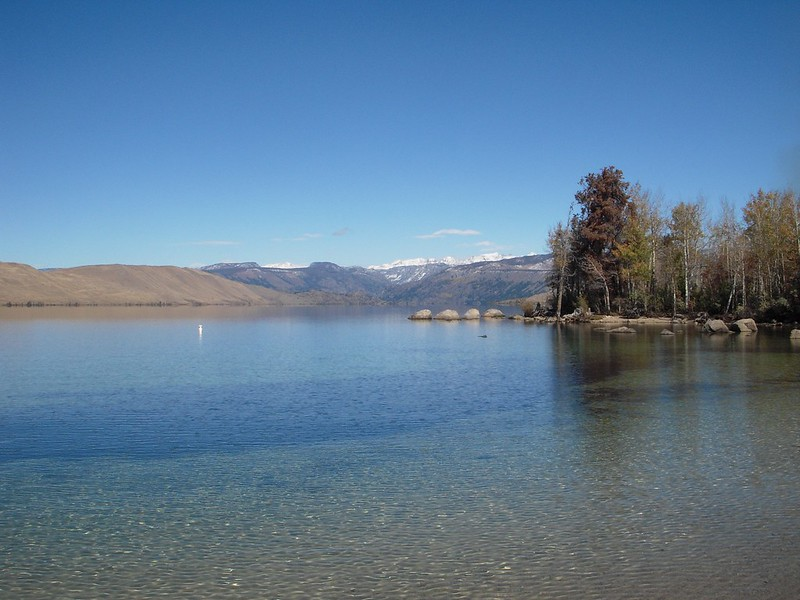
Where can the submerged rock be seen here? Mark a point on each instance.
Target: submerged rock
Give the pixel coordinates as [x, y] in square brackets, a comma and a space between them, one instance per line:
[494, 313]
[744, 326]
[422, 315]
[667, 332]
[448, 315]
[472, 314]
[622, 329]
[715, 326]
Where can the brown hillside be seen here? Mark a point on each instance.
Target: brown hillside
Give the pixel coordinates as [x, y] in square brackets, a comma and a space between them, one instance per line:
[124, 284]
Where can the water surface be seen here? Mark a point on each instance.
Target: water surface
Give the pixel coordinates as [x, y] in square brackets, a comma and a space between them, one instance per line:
[323, 453]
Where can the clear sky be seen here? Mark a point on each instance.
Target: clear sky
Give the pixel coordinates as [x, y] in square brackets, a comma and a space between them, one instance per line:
[193, 132]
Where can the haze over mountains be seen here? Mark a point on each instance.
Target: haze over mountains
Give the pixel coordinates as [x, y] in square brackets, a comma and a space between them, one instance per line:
[421, 281]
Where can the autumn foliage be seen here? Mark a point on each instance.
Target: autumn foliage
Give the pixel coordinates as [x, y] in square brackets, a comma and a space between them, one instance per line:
[617, 253]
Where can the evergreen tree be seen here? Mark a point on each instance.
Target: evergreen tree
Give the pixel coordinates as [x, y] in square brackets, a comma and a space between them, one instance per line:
[596, 231]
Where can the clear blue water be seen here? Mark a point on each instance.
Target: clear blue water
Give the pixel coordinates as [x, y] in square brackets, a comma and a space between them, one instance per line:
[351, 453]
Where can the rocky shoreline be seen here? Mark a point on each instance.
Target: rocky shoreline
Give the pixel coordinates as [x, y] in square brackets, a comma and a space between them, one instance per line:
[608, 324]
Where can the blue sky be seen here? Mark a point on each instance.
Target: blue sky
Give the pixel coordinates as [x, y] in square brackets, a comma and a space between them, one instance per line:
[194, 132]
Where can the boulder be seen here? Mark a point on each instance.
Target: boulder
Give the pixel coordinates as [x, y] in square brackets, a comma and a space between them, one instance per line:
[447, 315]
[744, 326]
[472, 314]
[622, 329]
[494, 313]
[422, 315]
[667, 332]
[715, 326]
[795, 334]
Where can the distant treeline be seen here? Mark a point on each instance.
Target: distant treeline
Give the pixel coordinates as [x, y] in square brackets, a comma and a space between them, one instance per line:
[617, 252]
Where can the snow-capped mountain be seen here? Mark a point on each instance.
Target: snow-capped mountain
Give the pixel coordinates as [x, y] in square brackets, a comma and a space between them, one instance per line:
[416, 269]
[447, 261]
[476, 281]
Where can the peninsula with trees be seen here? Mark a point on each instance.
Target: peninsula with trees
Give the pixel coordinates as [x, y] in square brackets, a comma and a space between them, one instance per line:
[619, 252]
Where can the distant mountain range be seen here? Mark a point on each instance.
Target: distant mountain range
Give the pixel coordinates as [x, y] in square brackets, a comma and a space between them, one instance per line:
[117, 285]
[424, 283]
[479, 281]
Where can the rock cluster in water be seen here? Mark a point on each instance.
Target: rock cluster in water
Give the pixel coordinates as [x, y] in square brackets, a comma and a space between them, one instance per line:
[746, 326]
[473, 314]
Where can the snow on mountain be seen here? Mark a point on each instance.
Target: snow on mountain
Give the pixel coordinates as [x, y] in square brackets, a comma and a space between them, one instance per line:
[229, 266]
[284, 265]
[405, 273]
[447, 261]
[416, 269]
[414, 262]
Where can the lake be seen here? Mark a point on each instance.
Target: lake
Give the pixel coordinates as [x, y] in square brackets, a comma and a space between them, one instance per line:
[351, 453]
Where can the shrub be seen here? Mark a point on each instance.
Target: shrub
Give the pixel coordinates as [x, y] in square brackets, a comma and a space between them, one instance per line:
[528, 307]
[777, 310]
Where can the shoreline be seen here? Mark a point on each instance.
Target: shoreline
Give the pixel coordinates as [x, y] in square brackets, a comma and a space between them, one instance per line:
[641, 320]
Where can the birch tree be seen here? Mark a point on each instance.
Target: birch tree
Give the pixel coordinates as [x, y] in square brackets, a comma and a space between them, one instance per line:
[636, 250]
[727, 258]
[773, 234]
[559, 240]
[686, 234]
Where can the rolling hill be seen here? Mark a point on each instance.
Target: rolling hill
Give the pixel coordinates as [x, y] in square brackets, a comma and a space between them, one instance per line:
[124, 284]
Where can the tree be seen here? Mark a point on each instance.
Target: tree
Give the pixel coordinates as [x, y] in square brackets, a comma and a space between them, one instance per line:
[771, 227]
[559, 240]
[621, 248]
[686, 234]
[725, 261]
[603, 201]
[634, 249]
[596, 277]
[795, 201]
